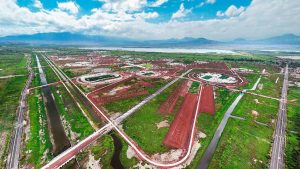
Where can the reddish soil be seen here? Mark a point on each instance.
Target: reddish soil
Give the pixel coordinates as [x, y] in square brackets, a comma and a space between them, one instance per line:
[138, 89]
[207, 102]
[168, 106]
[180, 129]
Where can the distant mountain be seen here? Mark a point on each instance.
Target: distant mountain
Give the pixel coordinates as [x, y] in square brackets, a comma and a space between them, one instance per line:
[66, 38]
[63, 38]
[287, 39]
[185, 42]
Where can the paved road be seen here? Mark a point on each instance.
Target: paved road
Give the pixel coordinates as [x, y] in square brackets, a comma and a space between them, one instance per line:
[67, 155]
[277, 157]
[15, 143]
[206, 158]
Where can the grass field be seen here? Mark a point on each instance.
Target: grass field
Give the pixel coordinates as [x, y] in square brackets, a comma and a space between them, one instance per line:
[73, 115]
[292, 150]
[126, 104]
[10, 91]
[269, 87]
[187, 58]
[103, 150]
[38, 147]
[243, 144]
[141, 126]
[266, 109]
[208, 123]
[246, 143]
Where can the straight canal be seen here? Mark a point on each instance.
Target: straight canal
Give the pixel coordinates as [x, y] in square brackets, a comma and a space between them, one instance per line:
[60, 140]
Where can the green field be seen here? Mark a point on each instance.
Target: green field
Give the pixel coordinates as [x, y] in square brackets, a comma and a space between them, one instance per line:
[266, 109]
[292, 150]
[187, 58]
[141, 126]
[126, 104]
[269, 87]
[37, 150]
[246, 143]
[208, 123]
[11, 63]
[243, 144]
[68, 109]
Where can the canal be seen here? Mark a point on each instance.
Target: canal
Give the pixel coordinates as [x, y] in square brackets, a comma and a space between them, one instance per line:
[115, 161]
[60, 140]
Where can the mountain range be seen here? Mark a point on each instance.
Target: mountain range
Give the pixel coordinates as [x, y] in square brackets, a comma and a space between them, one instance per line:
[67, 38]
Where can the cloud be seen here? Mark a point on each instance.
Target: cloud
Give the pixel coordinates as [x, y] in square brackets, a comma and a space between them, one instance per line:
[182, 12]
[231, 11]
[37, 4]
[210, 1]
[123, 5]
[149, 15]
[206, 2]
[158, 3]
[259, 20]
[70, 6]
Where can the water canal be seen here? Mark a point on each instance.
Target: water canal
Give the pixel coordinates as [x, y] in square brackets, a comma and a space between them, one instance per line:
[60, 140]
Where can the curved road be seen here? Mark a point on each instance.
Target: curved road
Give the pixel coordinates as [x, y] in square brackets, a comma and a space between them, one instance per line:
[70, 153]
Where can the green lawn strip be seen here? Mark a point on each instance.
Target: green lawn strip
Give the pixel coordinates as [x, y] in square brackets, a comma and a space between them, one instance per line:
[103, 149]
[39, 140]
[243, 145]
[267, 109]
[141, 126]
[69, 110]
[292, 151]
[127, 163]
[50, 75]
[194, 87]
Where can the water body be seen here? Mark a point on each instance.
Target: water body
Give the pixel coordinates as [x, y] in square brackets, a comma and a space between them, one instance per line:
[115, 161]
[59, 137]
[168, 50]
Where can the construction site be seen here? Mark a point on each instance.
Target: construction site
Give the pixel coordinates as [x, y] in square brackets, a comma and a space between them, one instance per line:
[133, 112]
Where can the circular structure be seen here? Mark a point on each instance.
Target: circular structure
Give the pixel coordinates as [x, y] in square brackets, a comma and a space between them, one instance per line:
[99, 78]
[148, 73]
[217, 78]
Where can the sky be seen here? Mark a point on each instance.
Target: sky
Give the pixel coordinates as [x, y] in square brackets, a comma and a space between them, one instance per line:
[153, 19]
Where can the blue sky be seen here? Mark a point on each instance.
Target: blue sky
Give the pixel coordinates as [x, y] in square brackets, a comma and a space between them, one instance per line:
[152, 19]
[200, 9]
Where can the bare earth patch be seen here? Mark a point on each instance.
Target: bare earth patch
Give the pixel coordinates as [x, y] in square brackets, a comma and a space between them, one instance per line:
[256, 101]
[92, 163]
[260, 86]
[130, 152]
[254, 113]
[162, 124]
[2, 142]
